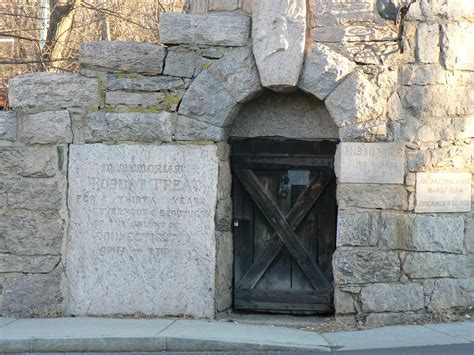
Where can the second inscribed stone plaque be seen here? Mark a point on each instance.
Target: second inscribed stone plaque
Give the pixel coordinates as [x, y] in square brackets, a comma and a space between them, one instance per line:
[141, 236]
[443, 192]
[370, 163]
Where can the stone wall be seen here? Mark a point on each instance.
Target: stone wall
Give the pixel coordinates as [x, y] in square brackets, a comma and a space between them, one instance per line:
[394, 262]
[402, 265]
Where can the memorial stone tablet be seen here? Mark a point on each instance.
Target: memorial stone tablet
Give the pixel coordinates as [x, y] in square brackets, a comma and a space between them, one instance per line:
[443, 192]
[340, 12]
[141, 236]
[370, 163]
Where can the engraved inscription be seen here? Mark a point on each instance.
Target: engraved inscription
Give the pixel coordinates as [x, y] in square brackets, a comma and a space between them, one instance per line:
[443, 192]
[343, 11]
[370, 163]
[142, 218]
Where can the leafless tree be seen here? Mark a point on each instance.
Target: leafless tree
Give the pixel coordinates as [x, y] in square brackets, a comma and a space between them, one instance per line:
[22, 48]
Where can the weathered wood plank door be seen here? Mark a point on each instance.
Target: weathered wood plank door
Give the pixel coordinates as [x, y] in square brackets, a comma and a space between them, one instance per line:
[284, 194]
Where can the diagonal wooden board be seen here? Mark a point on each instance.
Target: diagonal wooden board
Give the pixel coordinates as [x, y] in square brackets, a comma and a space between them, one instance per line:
[294, 218]
[283, 229]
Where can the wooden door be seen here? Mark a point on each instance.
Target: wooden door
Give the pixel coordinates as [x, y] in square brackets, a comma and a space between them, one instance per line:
[284, 195]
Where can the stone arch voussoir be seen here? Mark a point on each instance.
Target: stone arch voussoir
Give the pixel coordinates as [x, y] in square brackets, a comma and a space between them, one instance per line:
[352, 100]
[214, 97]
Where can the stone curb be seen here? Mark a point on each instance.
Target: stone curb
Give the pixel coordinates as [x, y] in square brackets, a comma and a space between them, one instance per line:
[134, 344]
[115, 335]
[122, 335]
[393, 337]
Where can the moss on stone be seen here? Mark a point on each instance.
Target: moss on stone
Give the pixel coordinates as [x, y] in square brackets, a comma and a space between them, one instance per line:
[149, 109]
[195, 142]
[127, 75]
[207, 65]
[102, 82]
[91, 109]
[171, 100]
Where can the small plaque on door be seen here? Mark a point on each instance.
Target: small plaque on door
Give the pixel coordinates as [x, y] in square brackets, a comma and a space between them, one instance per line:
[298, 177]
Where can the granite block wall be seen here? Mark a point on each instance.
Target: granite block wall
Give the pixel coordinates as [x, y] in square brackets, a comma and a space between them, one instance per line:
[394, 262]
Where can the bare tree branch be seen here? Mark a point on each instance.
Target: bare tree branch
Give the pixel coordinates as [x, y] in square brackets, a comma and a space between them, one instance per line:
[11, 62]
[16, 15]
[110, 13]
[72, 22]
[19, 37]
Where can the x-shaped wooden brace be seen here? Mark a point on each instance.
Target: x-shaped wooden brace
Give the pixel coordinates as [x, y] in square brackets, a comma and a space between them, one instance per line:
[284, 230]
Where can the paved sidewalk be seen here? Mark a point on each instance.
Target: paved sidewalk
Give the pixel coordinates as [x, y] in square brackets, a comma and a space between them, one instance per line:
[152, 335]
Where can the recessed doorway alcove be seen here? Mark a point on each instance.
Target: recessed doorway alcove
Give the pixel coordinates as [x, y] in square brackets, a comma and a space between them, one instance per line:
[294, 115]
[284, 204]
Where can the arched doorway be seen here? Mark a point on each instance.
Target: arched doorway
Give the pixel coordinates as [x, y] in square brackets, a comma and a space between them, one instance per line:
[284, 199]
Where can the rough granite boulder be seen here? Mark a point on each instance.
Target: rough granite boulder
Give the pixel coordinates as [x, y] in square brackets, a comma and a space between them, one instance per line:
[33, 295]
[215, 29]
[31, 233]
[219, 5]
[223, 218]
[180, 63]
[137, 82]
[8, 126]
[50, 91]
[323, 70]
[238, 74]
[123, 56]
[189, 129]
[369, 131]
[344, 302]
[392, 297]
[421, 233]
[220, 107]
[129, 126]
[355, 100]
[50, 127]
[449, 293]
[28, 161]
[134, 99]
[231, 80]
[427, 43]
[36, 194]
[224, 270]
[430, 265]
[454, 52]
[354, 229]
[365, 265]
[428, 74]
[28, 264]
[372, 196]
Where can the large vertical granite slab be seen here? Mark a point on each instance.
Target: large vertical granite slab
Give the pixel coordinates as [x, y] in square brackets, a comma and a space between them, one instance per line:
[279, 35]
[141, 237]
